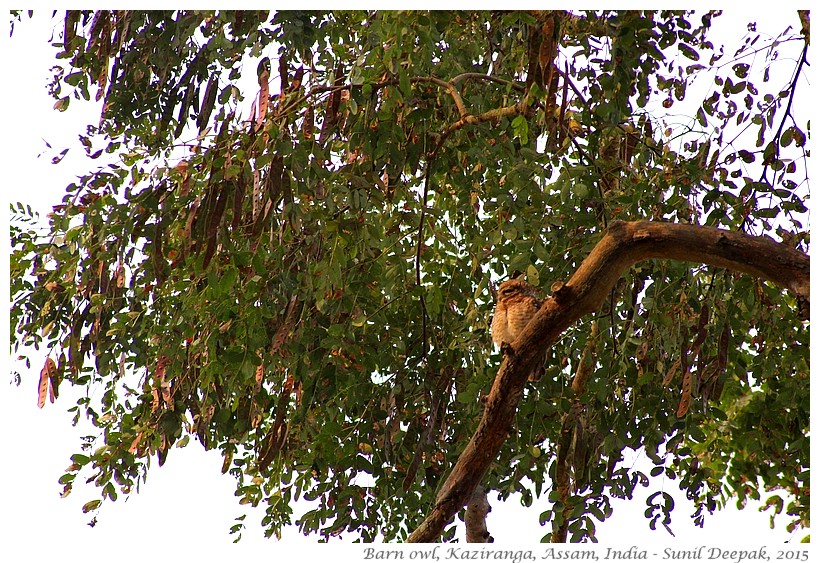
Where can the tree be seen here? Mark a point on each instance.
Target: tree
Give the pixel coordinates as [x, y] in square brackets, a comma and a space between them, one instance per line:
[308, 288]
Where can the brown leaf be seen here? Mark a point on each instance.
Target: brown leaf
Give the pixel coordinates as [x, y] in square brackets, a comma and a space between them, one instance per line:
[120, 276]
[723, 346]
[686, 394]
[238, 199]
[208, 102]
[260, 376]
[287, 325]
[216, 211]
[49, 370]
[134, 448]
[256, 200]
[185, 185]
[161, 366]
[297, 79]
[189, 243]
[264, 100]
[307, 123]
[55, 378]
[331, 116]
[283, 74]
[671, 373]
[203, 423]
[167, 396]
[164, 386]
[154, 401]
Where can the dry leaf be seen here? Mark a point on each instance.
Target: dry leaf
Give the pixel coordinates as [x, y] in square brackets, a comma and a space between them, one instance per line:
[185, 185]
[686, 394]
[260, 375]
[671, 373]
[226, 461]
[48, 372]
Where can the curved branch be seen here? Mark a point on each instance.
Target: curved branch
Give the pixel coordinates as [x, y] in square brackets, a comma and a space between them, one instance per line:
[490, 115]
[623, 245]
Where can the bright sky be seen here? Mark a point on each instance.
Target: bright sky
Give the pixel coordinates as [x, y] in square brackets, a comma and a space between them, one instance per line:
[187, 506]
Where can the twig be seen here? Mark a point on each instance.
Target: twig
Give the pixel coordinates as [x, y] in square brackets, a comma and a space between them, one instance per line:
[480, 76]
[419, 242]
[572, 85]
[776, 138]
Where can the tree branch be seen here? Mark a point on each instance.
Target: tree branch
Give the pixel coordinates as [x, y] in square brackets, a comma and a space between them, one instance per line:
[623, 245]
[480, 76]
[475, 518]
[490, 115]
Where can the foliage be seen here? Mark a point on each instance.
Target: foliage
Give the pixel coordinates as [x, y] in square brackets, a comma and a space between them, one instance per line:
[307, 287]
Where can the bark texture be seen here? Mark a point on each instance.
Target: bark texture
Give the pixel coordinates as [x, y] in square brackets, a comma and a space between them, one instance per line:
[475, 517]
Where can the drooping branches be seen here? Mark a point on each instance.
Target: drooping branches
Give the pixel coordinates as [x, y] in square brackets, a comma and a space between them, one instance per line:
[623, 245]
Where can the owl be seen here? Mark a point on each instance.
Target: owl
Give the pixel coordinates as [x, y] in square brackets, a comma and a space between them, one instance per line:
[516, 304]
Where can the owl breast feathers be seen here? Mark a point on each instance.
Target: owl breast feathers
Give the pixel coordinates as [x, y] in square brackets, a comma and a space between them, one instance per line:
[516, 304]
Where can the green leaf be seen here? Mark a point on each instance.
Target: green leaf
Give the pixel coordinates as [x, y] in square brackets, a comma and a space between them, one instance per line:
[80, 459]
[701, 115]
[688, 51]
[91, 505]
[746, 156]
[521, 128]
[74, 78]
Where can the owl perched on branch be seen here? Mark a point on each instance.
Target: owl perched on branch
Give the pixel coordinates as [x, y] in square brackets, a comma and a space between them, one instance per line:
[516, 304]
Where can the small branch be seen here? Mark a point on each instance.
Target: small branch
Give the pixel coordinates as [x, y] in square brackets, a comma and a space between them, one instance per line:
[623, 245]
[462, 109]
[776, 138]
[572, 85]
[479, 76]
[491, 115]
[465, 117]
[422, 215]
[431, 79]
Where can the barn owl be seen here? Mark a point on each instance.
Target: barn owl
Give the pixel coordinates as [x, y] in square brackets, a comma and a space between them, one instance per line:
[516, 304]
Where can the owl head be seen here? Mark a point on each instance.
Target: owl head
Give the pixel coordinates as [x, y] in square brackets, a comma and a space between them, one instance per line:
[511, 288]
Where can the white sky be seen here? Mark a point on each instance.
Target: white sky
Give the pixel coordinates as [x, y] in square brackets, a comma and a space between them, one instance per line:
[187, 506]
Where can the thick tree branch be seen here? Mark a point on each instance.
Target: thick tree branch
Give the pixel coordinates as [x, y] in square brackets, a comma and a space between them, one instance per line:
[475, 518]
[623, 245]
